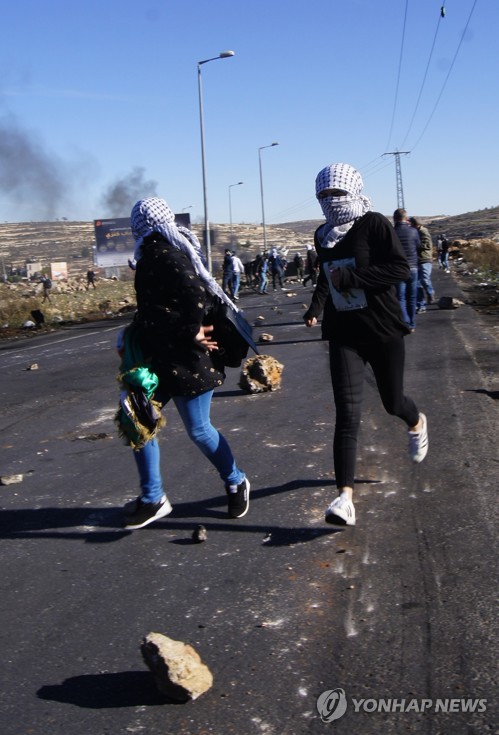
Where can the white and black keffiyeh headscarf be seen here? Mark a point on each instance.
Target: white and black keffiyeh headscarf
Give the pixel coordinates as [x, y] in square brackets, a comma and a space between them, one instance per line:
[154, 215]
[343, 209]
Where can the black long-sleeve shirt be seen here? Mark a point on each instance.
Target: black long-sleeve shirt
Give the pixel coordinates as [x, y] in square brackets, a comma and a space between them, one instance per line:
[376, 264]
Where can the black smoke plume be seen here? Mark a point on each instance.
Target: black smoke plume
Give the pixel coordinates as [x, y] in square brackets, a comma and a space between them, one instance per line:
[122, 195]
[28, 171]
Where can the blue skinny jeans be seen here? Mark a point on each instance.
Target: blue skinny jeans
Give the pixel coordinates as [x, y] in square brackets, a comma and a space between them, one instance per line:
[195, 414]
[407, 294]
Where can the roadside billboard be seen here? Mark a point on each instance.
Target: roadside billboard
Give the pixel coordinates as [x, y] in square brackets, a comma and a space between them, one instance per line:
[33, 269]
[114, 243]
[59, 271]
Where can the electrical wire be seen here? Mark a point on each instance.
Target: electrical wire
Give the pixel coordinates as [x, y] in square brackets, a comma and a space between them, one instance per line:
[305, 204]
[398, 75]
[440, 18]
[447, 77]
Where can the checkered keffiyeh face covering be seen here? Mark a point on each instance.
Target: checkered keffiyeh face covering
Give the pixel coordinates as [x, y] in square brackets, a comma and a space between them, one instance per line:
[343, 209]
[154, 215]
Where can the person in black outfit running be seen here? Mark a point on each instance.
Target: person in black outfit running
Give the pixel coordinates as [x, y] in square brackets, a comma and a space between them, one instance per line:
[361, 261]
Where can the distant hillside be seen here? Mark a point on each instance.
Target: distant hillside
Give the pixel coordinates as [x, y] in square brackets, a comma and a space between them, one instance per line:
[73, 241]
[472, 225]
[469, 226]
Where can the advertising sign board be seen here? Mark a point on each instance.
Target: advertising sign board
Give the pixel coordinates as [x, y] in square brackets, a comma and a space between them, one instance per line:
[114, 243]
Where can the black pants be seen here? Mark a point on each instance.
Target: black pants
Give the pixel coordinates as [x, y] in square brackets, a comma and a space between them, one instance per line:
[347, 365]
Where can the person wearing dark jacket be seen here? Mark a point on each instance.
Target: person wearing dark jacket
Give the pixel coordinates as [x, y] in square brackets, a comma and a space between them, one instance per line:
[174, 289]
[228, 273]
[311, 266]
[361, 262]
[425, 266]
[407, 290]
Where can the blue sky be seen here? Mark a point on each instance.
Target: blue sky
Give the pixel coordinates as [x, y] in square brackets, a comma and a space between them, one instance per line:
[99, 105]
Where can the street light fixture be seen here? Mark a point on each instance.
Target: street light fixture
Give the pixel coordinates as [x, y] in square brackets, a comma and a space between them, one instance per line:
[230, 209]
[223, 55]
[261, 193]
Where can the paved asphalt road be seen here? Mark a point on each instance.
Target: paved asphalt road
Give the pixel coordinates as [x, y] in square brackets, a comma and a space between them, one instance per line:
[281, 606]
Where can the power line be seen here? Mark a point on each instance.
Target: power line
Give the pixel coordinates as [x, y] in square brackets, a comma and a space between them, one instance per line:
[440, 16]
[448, 75]
[398, 74]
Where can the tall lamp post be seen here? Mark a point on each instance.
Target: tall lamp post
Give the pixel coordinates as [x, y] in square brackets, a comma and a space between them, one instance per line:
[223, 55]
[261, 192]
[230, 208]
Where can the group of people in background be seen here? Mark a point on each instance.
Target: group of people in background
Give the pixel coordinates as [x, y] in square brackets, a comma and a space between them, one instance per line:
[416, 292]
[269, 264]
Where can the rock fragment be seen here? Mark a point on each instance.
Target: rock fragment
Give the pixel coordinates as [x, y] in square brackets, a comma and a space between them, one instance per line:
[449, 302]
[199, 534]
[10, 479]
[178, 670]
[260, 374]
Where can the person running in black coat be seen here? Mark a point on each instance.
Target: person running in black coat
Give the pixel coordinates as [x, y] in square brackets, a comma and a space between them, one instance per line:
[174, 290]
[361, 262]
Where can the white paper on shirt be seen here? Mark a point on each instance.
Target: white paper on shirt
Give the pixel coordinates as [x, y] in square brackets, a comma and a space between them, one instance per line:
[352, 298]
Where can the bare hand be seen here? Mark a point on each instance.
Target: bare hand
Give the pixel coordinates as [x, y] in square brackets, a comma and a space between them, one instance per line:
[311, 322]
[204, 338]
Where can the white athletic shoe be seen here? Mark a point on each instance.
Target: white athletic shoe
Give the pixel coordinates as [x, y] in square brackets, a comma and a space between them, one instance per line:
[341, 512]
[418, 441]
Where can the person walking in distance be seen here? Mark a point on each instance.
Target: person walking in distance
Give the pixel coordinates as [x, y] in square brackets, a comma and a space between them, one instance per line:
[238, 270]
[425, 264]
[300, 264]
[47, 288]
[311, 266]
[276, 268]
[90, 278]
[173, 289]
[361, 262]
[263, 273]
[228, 273]
[444, 253]
[408, 288]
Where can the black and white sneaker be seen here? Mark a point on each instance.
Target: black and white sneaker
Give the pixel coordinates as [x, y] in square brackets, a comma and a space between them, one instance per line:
[139, 514]
[418, 441]
[238, 498]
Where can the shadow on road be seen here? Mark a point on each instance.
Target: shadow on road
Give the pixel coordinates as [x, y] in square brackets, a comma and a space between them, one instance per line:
[106, 691]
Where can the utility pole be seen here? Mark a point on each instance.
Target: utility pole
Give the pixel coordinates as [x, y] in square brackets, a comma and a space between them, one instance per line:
[398, 177]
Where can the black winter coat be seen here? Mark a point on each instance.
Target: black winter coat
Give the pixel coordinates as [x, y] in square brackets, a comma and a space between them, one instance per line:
[171, 305]
[378, 264]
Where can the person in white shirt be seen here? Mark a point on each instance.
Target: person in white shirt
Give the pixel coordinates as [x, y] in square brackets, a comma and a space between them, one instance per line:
[238, 270]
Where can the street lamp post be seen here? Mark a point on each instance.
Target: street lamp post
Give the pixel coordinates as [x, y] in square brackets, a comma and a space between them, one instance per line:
[230, 209]
[223, 55]
[261, 193]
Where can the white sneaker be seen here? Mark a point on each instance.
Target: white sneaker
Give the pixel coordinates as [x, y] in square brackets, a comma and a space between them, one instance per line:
[341, 512]
[418, 441]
